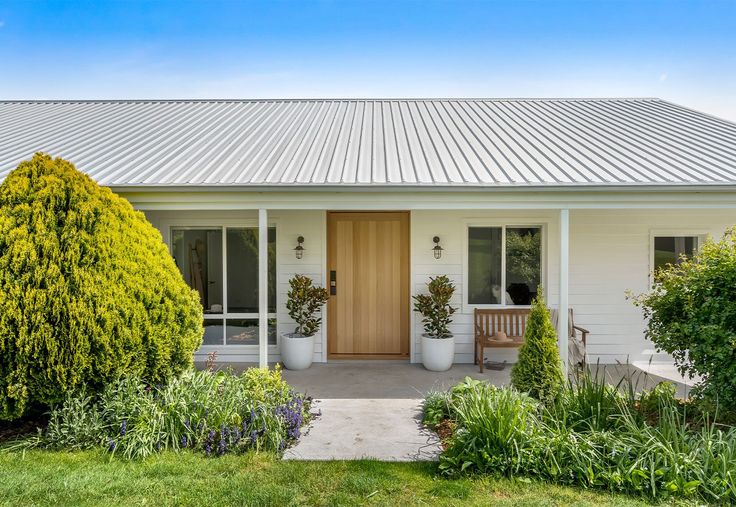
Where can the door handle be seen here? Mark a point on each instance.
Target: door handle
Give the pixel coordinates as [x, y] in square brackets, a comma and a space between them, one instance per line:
[333, 283]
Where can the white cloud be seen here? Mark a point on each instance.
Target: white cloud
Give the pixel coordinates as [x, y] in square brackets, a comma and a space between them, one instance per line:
[663, 77]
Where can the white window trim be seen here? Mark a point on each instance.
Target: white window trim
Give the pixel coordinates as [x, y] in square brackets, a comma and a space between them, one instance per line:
[229, 223]
[503, 224]
[673, 233]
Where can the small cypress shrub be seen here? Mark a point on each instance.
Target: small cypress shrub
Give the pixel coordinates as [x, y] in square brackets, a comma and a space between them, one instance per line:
[538, 371]
[88, 290]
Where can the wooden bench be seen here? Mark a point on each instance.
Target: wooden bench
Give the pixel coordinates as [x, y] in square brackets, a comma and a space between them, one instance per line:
[512, 321]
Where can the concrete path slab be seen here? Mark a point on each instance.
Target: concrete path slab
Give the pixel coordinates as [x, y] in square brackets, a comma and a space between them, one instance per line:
[382, 429]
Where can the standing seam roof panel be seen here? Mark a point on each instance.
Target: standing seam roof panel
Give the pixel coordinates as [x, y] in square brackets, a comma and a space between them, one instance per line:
[480, 143]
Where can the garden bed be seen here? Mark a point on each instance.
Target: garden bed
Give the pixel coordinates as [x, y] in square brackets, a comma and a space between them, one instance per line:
[213, 413]
[592, 435]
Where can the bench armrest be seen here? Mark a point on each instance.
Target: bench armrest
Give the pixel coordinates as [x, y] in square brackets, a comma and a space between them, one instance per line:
[583, 332]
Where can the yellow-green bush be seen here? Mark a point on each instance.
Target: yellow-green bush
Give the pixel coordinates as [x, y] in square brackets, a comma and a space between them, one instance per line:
[88, 290]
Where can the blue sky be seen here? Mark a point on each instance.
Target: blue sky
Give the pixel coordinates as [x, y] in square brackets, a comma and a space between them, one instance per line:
[677, 50]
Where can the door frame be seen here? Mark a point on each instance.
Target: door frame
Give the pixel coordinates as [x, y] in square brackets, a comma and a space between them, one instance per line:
[407, 304]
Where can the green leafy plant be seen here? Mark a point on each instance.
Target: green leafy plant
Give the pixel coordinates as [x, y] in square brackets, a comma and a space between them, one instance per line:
[304, 300]
[88, 290]
[435, 307]
[435, 408]
[590, 403]
[496, 428]
[538, 370]
[691, 314]
[595, 437]
[210, 412]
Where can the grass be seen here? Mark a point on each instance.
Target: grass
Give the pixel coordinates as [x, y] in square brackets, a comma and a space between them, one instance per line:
[92, 478]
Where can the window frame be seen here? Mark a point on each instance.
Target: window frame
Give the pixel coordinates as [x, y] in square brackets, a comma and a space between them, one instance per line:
[503, 224]
[700, 234]
[205, 224]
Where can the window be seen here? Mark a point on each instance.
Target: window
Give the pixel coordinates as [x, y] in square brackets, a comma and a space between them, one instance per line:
[673, 249]
[221, 264]
[504, 256]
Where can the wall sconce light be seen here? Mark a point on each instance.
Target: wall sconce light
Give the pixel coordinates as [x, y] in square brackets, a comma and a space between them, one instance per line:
[299, 250]
[437, 250]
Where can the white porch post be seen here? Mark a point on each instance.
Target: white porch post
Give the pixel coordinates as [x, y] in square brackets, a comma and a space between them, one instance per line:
[263, 288]
[562, 324]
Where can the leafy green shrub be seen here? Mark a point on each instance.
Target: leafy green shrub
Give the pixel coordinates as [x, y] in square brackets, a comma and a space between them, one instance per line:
[658, 399]
[691, 314]
[303, 302]
[435, 408]
[538, 371]
[592, 437]
[214, 413]
[88, 290]
[435, 307]
[76, 423]
[589, 403]
[496, 430]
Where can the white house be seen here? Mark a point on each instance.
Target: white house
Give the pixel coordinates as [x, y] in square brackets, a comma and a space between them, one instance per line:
[580, 197]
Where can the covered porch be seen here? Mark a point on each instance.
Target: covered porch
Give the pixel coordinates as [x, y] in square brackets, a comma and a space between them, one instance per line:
[593, 248]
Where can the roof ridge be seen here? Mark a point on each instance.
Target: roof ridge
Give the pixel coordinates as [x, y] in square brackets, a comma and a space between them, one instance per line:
[343, 99]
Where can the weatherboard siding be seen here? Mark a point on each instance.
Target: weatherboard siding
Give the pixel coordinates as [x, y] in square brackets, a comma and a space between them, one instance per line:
[609, 255]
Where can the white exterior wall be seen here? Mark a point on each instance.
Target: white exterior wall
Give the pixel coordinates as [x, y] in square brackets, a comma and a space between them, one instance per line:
[610, 253]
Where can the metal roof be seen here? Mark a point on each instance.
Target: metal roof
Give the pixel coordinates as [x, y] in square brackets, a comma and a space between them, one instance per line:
[375, 142]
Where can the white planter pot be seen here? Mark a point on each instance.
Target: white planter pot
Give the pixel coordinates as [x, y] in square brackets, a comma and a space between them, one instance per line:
[297, 351]
[438, 353]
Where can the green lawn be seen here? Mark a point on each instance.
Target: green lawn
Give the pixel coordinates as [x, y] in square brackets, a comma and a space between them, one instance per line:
[92, 478]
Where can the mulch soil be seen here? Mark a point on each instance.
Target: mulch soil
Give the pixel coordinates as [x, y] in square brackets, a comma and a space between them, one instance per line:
[13, 430]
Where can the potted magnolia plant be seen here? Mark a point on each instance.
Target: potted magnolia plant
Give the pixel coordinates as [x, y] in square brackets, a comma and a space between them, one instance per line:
[438, 344]
[303, 303]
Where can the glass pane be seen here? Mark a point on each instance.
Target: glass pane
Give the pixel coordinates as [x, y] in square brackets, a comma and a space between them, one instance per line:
[523, 264]
[242, 270]
[212, 332]
[245, 332]
[670, 250]
[484, 265]
[198, 254]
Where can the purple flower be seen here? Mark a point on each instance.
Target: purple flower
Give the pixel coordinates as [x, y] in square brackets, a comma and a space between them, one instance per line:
[253, 436]
[184, 441]
[158, 445]
[111, 445]
[123, 427]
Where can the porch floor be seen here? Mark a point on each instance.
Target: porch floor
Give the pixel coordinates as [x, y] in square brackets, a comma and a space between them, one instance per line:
[403, 380]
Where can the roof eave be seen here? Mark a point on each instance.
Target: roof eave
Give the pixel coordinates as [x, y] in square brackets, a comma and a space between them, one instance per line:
[404, 187]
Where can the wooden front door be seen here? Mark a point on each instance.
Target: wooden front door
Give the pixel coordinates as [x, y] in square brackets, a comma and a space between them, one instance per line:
[368, 265]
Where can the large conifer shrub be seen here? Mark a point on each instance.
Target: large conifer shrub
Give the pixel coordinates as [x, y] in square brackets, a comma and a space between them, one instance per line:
[538, 371]
[88, 290]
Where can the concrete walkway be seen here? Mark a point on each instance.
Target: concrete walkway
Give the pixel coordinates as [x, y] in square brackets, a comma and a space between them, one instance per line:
[372, 409]
[383, 429]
